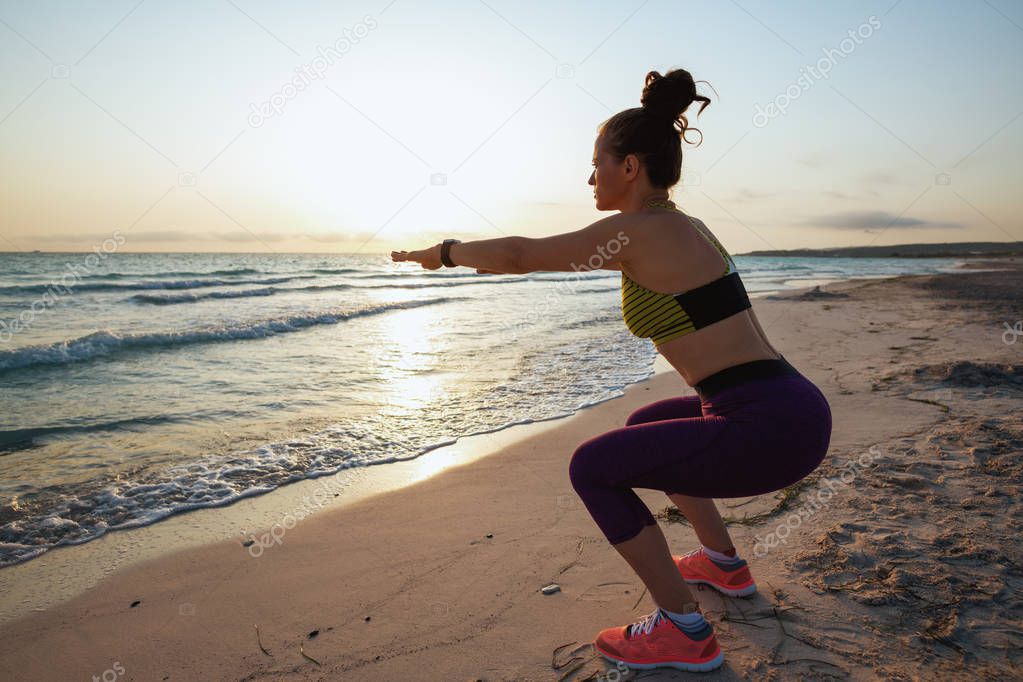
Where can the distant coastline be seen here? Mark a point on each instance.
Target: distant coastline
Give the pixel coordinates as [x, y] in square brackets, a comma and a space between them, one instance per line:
[942, 250]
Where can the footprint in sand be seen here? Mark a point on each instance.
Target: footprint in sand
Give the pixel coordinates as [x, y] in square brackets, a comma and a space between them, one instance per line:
[608, 591]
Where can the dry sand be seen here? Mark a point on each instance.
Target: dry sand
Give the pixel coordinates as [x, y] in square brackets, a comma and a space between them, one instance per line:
[899, 558]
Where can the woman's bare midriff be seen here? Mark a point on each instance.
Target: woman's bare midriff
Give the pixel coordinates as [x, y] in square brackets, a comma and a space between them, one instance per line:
[731, 341]
[681, 259]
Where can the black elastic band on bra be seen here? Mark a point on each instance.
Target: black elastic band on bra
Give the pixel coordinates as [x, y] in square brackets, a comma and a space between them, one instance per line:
[715, 301]
[738, 374]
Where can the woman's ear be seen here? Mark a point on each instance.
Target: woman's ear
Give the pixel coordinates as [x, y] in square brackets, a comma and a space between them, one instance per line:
[631, 165]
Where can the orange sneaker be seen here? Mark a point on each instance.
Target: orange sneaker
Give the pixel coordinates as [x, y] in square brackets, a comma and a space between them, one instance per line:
[656, 642]
[734, 580]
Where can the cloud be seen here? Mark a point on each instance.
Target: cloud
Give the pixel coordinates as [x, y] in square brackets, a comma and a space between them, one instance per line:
[244, 236]
[868, 220]
[835, 194]
[879, 178]
[332, 237]
[151, 236]
[814, 160]
[746, 194]
[268, 237]
[182, 237]
[159, 236]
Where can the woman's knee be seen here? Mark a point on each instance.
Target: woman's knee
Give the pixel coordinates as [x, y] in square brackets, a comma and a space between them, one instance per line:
[585, 467]
[636, 417]
[648, 413]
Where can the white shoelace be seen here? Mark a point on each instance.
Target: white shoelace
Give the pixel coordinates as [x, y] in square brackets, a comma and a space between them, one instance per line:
[696, 551]
[646, 624]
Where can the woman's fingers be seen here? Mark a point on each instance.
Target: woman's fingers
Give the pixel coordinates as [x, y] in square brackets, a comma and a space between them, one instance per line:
[423, 257]
[401, 256]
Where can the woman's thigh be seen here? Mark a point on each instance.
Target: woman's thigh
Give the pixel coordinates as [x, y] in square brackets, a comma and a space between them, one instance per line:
[679, 407]
[656, 454]
[710, 456]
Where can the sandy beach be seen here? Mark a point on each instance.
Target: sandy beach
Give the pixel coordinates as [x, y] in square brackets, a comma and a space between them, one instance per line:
[899, 558]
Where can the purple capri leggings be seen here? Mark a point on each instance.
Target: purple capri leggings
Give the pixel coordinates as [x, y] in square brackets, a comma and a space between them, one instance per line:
[752, 429]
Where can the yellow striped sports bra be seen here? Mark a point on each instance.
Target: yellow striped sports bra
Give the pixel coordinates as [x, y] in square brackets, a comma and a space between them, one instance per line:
[663, 317]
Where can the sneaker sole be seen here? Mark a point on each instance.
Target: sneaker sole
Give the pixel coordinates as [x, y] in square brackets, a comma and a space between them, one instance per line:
[740, 592]
[707, 666]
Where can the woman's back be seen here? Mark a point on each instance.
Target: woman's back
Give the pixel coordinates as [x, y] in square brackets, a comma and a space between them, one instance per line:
[677, 253]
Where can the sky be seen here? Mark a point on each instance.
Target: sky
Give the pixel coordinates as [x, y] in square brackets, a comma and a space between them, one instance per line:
[361, 127]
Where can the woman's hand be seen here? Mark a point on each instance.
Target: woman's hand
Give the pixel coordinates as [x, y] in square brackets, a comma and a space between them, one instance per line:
[428, 258]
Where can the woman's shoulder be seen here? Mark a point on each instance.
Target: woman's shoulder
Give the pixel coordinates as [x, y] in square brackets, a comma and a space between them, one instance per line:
[693, 219]
[669, 222]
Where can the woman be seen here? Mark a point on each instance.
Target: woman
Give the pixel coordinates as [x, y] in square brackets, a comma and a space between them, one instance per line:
[756, 424]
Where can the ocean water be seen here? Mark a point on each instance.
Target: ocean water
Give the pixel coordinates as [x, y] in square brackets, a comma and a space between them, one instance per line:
[135, 386]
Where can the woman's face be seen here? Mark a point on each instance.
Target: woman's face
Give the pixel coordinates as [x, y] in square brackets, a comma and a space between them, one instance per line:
[608, 178]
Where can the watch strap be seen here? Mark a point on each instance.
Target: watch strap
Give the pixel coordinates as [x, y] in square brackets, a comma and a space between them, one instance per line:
[445, 252]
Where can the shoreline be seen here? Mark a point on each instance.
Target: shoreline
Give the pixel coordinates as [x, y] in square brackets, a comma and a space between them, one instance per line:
[464, 553]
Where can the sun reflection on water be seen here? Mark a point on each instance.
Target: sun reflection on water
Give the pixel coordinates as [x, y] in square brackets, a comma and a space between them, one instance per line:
[414, 377]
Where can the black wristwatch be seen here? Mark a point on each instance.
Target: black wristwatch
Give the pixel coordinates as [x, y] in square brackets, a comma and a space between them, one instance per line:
[445, 252]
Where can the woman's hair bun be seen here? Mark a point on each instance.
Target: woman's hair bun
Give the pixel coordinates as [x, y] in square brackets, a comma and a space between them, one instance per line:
[667, 97]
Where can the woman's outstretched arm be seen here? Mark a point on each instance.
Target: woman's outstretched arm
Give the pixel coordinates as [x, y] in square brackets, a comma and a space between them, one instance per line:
[496, 256]
[602, 245]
